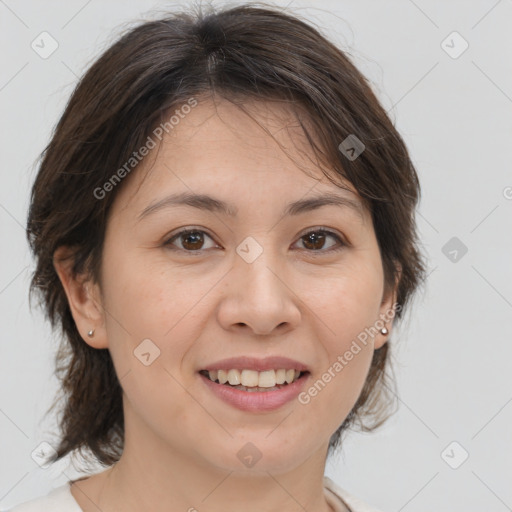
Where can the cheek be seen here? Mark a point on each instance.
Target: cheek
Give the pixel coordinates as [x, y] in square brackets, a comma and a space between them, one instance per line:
[145, 302]
[151, 313]
[346, 311]
[143, 299]
[347, 303]
[334, 389]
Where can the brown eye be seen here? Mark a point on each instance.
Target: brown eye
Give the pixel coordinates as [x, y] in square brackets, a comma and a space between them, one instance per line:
[192, 240]
[316, 240]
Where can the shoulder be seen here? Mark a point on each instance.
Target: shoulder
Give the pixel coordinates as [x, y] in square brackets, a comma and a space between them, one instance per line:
[59, 499]
[351, 502]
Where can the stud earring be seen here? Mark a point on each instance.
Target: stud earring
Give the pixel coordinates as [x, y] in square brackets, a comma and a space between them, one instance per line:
[90, 333]
[384, 331]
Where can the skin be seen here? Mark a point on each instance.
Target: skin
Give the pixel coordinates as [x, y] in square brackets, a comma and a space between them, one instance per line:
[293, 300]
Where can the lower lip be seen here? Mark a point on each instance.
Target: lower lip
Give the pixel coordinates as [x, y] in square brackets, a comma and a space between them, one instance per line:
[257, 401]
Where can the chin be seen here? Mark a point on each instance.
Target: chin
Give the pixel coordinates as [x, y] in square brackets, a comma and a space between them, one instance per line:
[262, 453]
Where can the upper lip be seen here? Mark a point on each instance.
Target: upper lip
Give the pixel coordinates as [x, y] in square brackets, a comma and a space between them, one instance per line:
[257, 364]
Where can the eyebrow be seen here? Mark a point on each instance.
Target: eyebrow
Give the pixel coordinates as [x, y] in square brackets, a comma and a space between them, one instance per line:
[209, 203]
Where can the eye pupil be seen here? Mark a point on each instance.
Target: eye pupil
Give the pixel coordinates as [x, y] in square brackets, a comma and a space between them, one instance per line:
[313, 238]
[194, 235]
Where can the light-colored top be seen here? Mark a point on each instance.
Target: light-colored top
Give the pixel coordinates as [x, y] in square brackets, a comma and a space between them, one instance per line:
[61, 500]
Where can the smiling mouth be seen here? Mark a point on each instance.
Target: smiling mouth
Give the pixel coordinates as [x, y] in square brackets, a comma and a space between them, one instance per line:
[254, 381]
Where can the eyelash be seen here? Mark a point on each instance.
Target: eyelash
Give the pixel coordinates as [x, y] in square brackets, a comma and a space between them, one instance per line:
[319, 252]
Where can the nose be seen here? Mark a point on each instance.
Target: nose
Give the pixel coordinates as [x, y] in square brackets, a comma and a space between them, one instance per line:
[258, 297]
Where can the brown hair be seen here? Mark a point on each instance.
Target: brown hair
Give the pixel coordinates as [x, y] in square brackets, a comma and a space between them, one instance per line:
[251, 52]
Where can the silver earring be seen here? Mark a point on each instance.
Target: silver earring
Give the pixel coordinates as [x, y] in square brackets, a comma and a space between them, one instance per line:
[90, 333]
[384, 331]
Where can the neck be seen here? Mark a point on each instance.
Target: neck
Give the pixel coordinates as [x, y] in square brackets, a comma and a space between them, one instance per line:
[135, 484]
[151, 475]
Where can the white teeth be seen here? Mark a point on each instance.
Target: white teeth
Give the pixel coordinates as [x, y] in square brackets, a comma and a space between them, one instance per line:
[249, 378]
[234, 377]
[268, 379]
[280, 376]
[253, 379]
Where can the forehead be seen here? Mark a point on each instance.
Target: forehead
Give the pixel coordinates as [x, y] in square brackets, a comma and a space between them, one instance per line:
[219, 147]
[257, 132]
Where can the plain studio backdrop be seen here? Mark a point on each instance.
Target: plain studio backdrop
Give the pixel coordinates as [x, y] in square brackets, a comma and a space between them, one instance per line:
[442, 71]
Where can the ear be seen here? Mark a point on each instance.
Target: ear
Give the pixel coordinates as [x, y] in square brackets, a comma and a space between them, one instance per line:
[84, 299]
[388, 310]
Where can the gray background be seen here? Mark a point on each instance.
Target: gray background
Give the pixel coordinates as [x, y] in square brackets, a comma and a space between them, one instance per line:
[452, 356]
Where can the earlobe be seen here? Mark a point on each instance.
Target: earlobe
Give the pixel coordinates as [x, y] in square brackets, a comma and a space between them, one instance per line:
[385, 324]
[388, 311]
[83, 298]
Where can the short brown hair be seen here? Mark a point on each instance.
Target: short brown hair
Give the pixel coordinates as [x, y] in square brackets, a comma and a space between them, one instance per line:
[253, 52]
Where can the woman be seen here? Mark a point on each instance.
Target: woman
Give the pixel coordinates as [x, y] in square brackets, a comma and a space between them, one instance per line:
[223, 225]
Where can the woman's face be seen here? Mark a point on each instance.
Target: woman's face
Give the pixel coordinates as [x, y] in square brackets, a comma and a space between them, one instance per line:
[259, 282]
